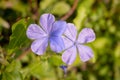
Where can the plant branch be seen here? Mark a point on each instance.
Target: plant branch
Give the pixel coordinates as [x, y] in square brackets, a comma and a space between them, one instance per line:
[34, 10]
[24, 54]
[66, 16]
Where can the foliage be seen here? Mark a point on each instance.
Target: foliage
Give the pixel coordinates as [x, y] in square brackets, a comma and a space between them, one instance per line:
[17, 62]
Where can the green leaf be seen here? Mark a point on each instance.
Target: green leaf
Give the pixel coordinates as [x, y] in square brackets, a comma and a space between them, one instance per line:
[11, 71]
[101, 43]
[117, 52]
[15, 75]
[46, 3]
[18, 38]
[92, 77]
[13, 66]
[60, 8]
[39, 70]
[104, 70]
[82, 12]
[55, 60]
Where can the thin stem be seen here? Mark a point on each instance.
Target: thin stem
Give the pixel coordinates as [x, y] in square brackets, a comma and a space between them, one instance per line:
[66, 16]
[34, 10]
[24, 54]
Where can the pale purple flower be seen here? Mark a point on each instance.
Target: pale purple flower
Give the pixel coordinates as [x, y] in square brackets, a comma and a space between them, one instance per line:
[49, 31]
[75, 44]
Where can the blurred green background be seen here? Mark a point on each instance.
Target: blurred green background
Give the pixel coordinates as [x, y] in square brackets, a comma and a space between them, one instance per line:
[17, 62]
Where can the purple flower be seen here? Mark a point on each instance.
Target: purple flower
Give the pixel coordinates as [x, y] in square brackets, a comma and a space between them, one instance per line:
[73, 45]
[48, 31]
[64, 68]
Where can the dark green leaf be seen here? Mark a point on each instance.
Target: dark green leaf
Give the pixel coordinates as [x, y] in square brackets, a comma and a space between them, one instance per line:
[18, 38]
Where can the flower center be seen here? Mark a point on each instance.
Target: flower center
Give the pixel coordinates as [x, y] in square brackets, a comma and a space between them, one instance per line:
[75, 43]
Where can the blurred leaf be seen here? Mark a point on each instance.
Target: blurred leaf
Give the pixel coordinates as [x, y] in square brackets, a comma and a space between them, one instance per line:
[112, 29]
[3, 61]
[118, 34]
[60, 8]
[79, 76]
[104, 70]
[101, 42]
[40, 69]
[4, 23]
[15, 75]
[55, 60]
[82, 12]
[81, 15]
[117, 71]
[117, 51]
[13, 66]
[45, 3]
[12, 71]
[92, 77]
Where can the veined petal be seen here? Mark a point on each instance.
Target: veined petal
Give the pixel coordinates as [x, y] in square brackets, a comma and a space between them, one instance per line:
[71, 31]
[69, 55]
[35, 32]
[39, 46]
[57, 44]
[67, 42]
[46, 22]
[86, 35]
[85, 52]
[58, 28]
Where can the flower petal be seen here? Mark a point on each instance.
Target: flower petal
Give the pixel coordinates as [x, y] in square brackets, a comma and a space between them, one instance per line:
[86, 35]
[67, 42]
[85, 52]
[39, 46]
[35, 32]
[58, 28]
[71, 31]
[56, 44]
[69, 55]
[46, 21]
